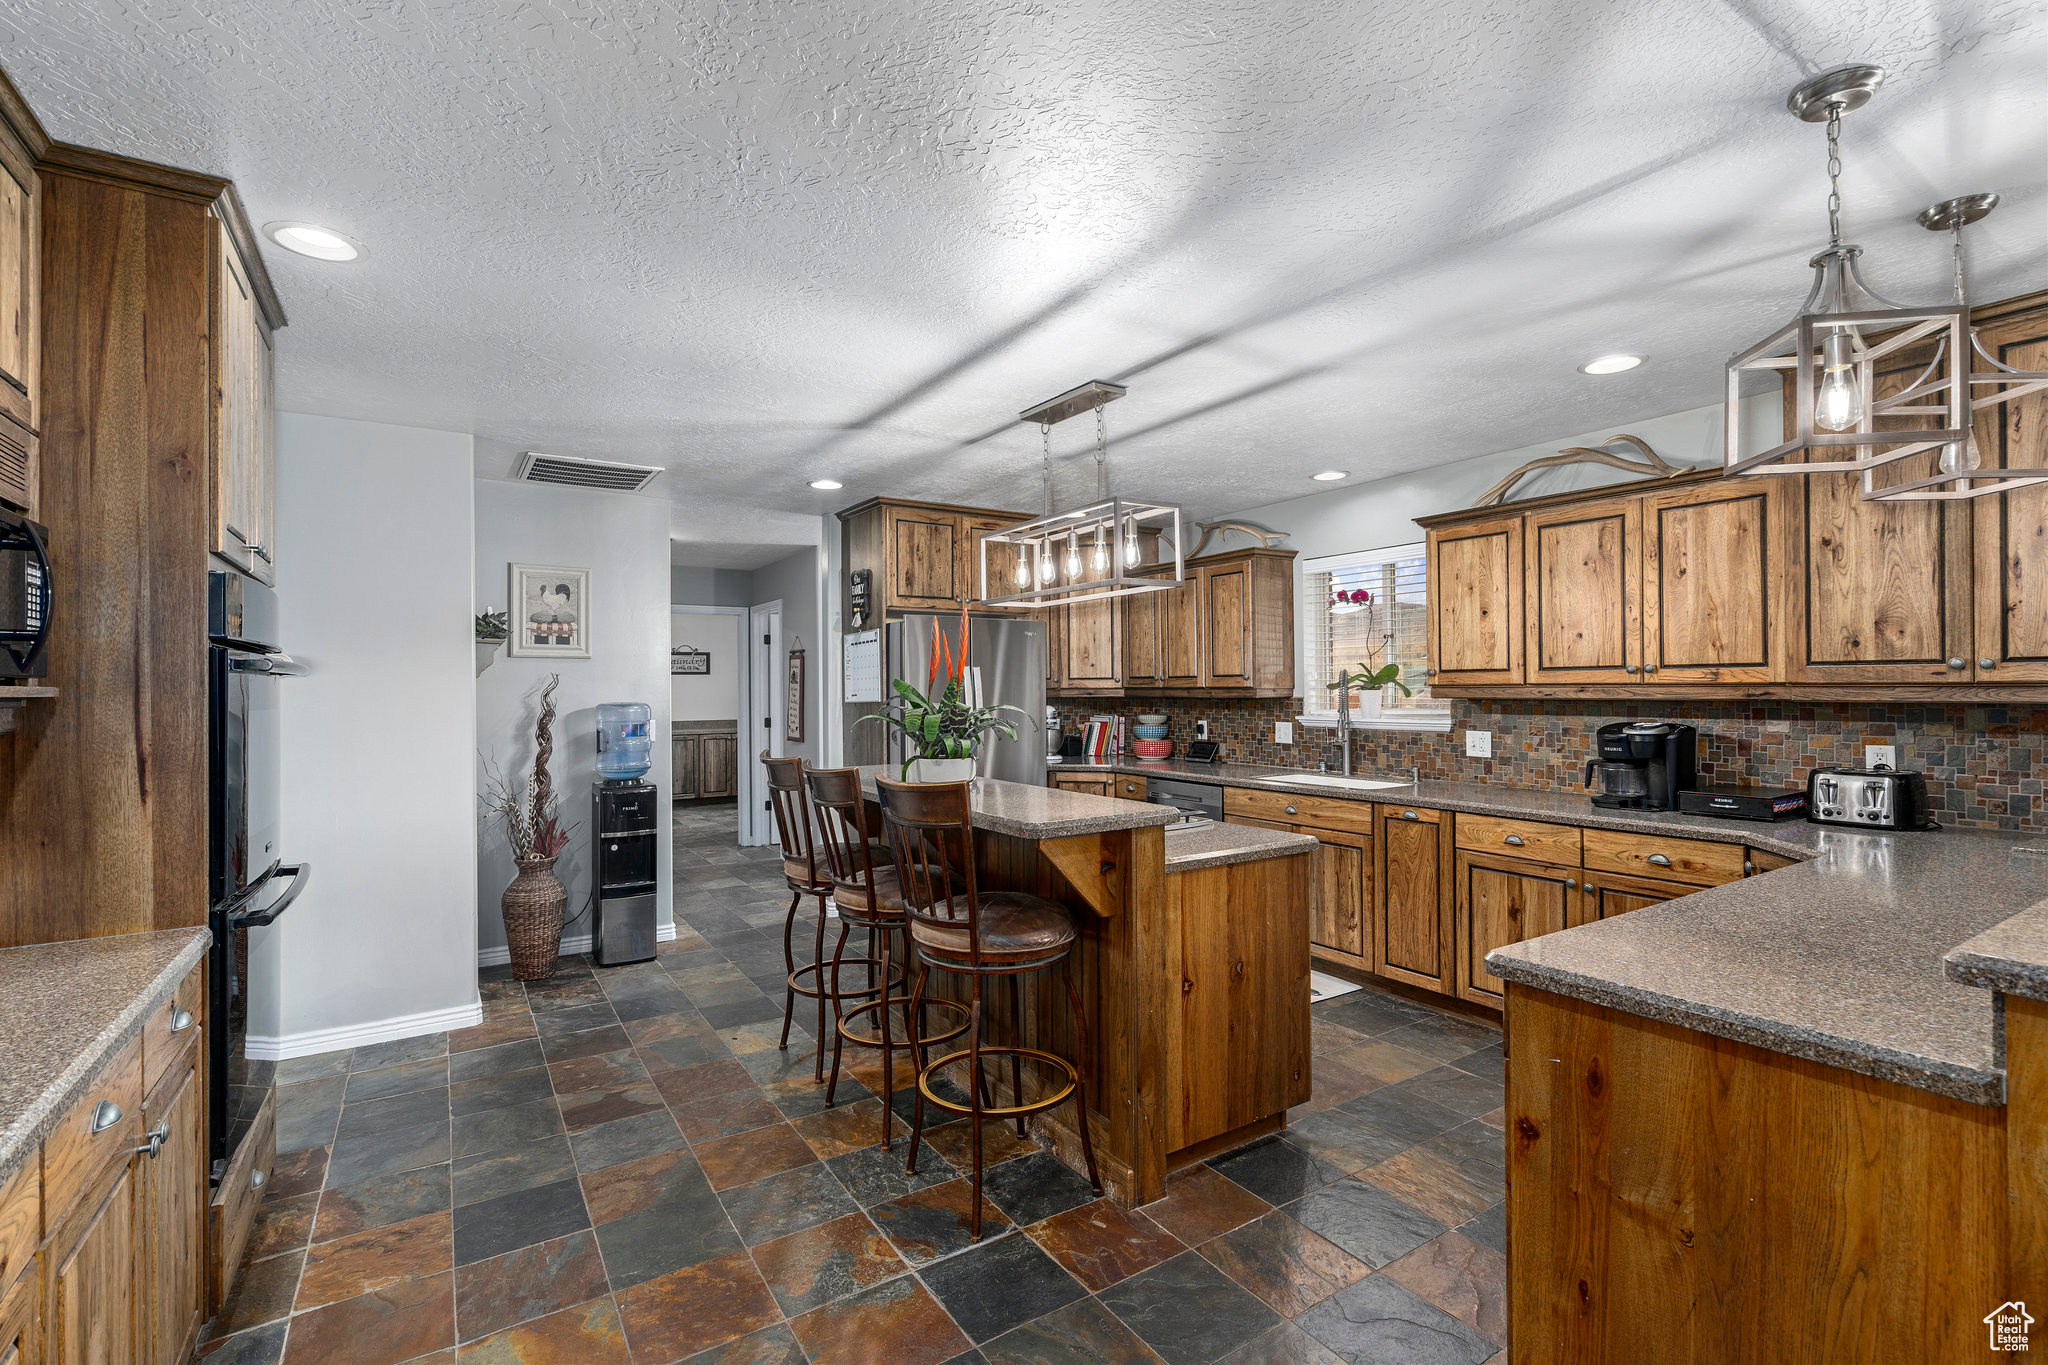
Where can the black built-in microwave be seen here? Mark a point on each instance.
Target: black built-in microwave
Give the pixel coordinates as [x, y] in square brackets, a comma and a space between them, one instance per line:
[24, 597]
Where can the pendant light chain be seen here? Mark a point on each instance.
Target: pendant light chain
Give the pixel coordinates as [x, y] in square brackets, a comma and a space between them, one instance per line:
[1101, 453]
[1045, 444]
[1835, 174]
[1962, 286]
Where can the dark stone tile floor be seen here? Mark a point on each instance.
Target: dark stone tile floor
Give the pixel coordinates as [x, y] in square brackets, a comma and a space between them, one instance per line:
[619, 1167]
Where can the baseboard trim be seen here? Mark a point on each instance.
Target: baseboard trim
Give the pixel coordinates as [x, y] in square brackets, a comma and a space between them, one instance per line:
[289, 1045]
[571, 945]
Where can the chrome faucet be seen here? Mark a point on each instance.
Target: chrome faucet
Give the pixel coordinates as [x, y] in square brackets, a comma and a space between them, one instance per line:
[1344, 717]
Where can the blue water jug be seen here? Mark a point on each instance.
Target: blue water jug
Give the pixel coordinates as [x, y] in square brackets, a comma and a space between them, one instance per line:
[625, 740]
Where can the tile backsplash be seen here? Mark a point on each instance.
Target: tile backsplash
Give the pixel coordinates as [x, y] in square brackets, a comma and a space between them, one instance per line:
[1984, 764]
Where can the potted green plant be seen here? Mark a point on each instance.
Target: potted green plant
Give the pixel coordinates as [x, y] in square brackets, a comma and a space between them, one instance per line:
[1369, 674]
[945, 731]
[492, 629]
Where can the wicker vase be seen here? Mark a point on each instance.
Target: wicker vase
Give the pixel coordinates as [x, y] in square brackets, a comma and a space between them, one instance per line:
[533, 907]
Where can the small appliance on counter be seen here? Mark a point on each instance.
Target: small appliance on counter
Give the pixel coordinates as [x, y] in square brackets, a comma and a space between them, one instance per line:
[1743, 803]
[622, 818]
[1643, 764]
[1055, 747]
[1869, 798]
[1203, 751]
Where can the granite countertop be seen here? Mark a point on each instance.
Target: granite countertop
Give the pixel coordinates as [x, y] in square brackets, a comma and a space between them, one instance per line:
[1045, 812]
[2011, 956]
[70, 1007]
[1844, 959]
[1189, 848]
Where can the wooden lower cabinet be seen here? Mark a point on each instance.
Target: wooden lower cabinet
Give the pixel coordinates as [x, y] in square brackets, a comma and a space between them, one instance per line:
[21, 1320]
[1412, 883]
[705, 765]
[1342, 919]
[95, 1314]
[1089, 784]
[1502, 901]
[1607, 894]
[174, 1215]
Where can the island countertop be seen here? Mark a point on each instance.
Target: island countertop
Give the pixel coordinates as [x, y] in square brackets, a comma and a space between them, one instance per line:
[1027, 812]
[1844, 959]
[1192, 847]
[70, 1007]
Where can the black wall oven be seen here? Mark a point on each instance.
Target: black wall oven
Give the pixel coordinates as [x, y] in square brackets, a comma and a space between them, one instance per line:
[249, 883]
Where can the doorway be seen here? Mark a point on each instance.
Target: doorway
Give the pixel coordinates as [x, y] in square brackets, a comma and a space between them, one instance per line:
[708, 670]
[762, 721]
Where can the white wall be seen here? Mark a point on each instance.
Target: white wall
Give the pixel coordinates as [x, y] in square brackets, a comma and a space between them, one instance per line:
[623, 540]
[796, 582]
[375, 585]
[714, 695]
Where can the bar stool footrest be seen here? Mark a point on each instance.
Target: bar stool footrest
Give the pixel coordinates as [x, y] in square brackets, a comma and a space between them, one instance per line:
[847, 993]
[1005, 1111]
[875, 1039]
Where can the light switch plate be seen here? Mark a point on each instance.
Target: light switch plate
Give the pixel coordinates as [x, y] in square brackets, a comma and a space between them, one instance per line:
[1283, 732]
[1479, 744]
[1874, 754]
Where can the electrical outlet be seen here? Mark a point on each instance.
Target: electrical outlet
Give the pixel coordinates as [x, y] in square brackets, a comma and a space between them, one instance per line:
[1880, 755]
[1283, 732]
[1479, 744]
[1201, 729]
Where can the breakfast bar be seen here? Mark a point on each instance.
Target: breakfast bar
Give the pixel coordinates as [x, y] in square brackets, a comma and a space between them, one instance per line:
[1192, 967]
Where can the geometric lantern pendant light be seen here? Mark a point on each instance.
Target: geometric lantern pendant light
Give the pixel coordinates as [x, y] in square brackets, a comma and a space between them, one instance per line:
[1831, 350]
[1961, 472]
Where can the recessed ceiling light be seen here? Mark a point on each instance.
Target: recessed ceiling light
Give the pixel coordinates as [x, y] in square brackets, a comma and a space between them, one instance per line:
[310, 239]
[826, 485]
[1332, 475]
[1610, 364]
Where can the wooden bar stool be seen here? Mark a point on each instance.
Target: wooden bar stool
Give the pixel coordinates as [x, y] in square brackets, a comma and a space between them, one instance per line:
[866, 890]
[957, 927]
[806, 876]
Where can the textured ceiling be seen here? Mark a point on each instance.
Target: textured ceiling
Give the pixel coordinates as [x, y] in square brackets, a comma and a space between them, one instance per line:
[764, 243]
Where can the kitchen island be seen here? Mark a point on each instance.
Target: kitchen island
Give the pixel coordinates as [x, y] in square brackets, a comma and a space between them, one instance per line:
[1192, 967]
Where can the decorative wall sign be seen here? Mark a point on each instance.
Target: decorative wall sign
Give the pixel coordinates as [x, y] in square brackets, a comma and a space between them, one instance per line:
[857, 594]
[685, 659]
[550, 610]
[793, 699]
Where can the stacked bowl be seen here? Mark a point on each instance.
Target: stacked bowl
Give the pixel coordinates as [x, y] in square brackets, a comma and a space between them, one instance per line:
[1149, 737]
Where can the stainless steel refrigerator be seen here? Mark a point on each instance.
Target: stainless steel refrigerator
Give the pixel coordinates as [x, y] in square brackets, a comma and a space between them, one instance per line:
[1006, 662]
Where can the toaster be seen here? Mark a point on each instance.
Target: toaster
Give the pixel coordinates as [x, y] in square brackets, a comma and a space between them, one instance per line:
[1870, 798]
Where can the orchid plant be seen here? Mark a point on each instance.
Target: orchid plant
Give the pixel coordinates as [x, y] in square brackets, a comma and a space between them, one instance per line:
[939, 721]
[1375, 670]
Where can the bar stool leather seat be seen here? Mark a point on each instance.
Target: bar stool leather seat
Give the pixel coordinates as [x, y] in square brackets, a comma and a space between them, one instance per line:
[1015, 927]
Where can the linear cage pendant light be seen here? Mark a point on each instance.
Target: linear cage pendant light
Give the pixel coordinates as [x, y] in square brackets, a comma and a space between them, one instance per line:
[1843, 331]
[1091, 552]
[1960, 466]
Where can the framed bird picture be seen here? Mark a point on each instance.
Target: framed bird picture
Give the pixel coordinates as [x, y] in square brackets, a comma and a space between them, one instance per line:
[550, 612]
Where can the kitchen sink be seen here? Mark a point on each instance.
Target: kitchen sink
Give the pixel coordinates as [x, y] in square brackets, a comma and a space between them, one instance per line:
[1357, 784]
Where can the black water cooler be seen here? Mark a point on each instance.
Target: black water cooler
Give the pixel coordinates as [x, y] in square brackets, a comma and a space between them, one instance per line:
[623, 814]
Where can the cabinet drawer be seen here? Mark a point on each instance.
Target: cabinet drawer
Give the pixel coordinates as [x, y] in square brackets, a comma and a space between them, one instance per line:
[73, 1153]
[1531, 839]
[1314, 811]
[1129, 789]
[233, 1209]
[172, 1027]
[21, 1220]
[1648, 855]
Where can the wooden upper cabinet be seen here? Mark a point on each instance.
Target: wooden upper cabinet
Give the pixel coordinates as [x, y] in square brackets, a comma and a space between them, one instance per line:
[1093, 645]
[244, 462]
[2011, 553]
[925, 555]
[1180, 635]
[1141, 629]
[1227, 625]
[1002, 559]
[1475, 602]
[21, 291]
[1712, 579]
[1585, 571]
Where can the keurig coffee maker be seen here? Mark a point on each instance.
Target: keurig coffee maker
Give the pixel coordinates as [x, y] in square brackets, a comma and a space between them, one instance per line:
[1643, 764]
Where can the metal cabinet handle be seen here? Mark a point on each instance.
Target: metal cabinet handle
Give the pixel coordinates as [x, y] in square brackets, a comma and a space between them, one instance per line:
[257, 1179]
[1429, 673]
[1409, 815]
[105, 1115]
[1649, 668]
[1660, 860]
[1958, 663]
[1628, 668]
[180, 1020]
[155, 1139]
[1292, 811]
[1987, 663]
[1570, 885]
[1514, 839]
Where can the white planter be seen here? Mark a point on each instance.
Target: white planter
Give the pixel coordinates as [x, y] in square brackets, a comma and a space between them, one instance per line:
[487, 654]
[941, 769]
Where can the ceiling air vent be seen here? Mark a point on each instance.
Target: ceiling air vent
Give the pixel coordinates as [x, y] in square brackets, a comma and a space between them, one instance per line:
[613, 477]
